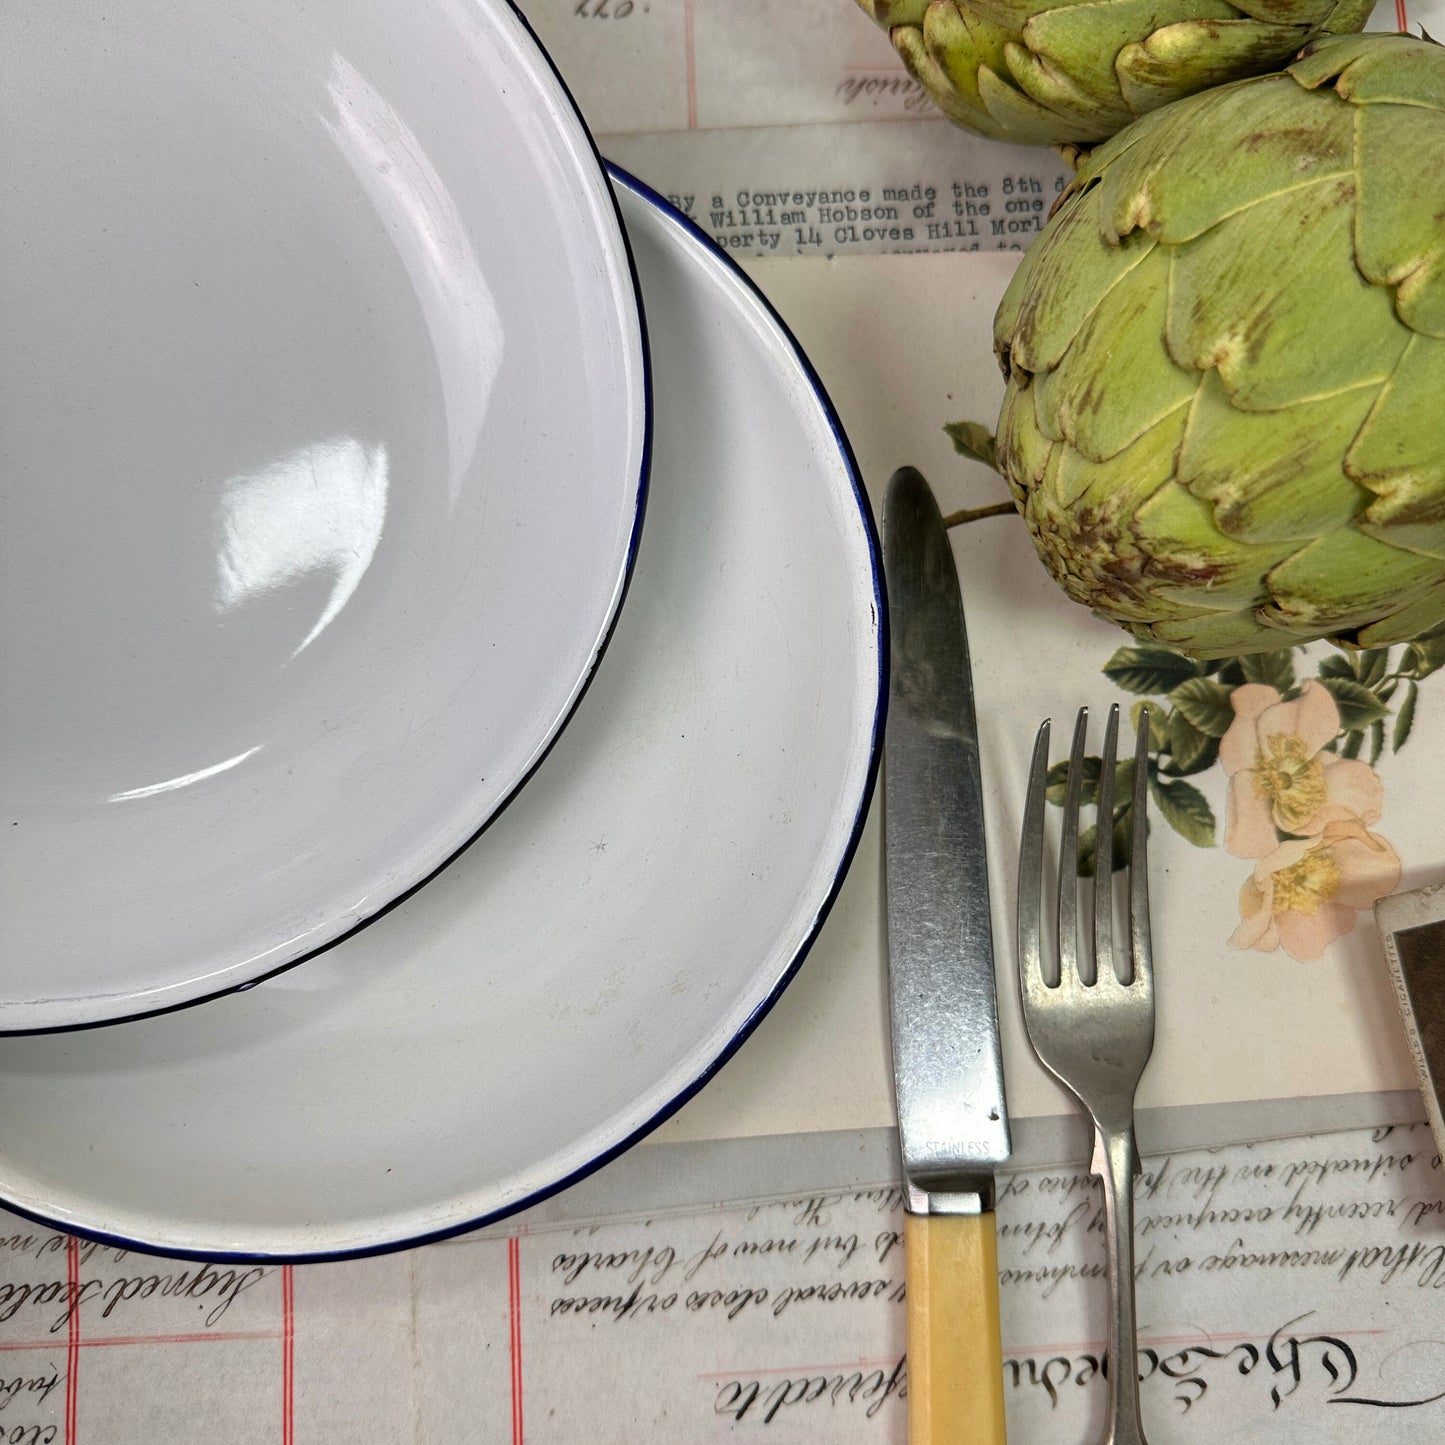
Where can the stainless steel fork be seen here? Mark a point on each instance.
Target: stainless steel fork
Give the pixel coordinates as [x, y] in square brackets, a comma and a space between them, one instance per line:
[1096, 1037]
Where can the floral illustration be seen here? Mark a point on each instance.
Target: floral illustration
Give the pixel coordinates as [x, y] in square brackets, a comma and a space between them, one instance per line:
[1305, 892]
[1282, 781]
[1301, 803]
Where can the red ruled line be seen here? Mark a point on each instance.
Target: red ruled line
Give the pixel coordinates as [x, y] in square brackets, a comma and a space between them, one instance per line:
[514, 1297]
[288, 1355]
[72, 1353]
[691, 63]
[218, 1336]
[1402, 21]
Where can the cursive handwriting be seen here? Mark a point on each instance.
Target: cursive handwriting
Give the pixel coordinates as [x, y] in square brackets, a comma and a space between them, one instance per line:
[36, 1388]
[853, 88]
[871, 1389]
[204, 1282]
[1287, 1360]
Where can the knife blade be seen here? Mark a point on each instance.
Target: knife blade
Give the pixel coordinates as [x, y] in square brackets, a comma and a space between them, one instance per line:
[948, 1071]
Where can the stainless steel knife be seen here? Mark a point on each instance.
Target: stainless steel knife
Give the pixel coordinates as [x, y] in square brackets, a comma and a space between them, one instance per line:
[948, 1071]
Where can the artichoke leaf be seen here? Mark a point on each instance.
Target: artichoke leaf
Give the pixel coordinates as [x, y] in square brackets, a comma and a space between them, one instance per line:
[1309, 15]
[1013, 14]
[1345, 17]
[1127, 479]
[889, 13]
[1400, 217]
[1410, 513]
[1061, 283]
[1398, 452]
[1117, 380]
[1216, 634]
[974, 440]
[1176, 60]
[1364, 71]
[1020, 118]
[1272, 340]
[1336, 582]
[1273, 476]
[1021, 450]
[1167, 179]
[1196, 567]
[1084, 526]
[953, 99]
[1057, 86]
[959, 46]
[1407, 621]
[1085, 38]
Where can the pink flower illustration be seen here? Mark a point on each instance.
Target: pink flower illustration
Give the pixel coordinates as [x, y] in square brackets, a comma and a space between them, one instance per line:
[1306, 892]
[1280, 778]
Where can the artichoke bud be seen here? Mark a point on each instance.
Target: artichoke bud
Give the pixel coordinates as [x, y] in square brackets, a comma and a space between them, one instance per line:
[1066, 72]
[1224, 378]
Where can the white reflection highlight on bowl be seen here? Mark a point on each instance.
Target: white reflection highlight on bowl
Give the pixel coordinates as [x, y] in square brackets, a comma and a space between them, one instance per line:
[322, 508]
[184, 781]
[431, 240]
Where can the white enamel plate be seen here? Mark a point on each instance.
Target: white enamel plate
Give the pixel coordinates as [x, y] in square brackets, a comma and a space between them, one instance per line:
[584, 966]
[323, 427]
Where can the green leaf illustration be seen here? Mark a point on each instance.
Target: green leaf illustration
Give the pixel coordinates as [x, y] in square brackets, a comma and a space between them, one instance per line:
[1336, 665]
[1274, 669]
[1371, 666]
[1205, 702]
[1158, 724]
[1350, 744]
[1058, 777]
[1358, 705]
[1149, 669]
[1185, 809]
[1405, 718]
[1088, 843]
[1377, 740]
[1057, 781]
[1190, 750]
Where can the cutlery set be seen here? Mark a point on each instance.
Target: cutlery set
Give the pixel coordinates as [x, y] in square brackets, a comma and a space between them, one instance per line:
[1089, 1016]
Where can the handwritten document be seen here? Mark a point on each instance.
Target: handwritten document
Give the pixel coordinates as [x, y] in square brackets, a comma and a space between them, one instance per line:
[1291, 1291]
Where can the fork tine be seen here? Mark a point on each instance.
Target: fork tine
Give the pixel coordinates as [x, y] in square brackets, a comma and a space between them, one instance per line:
[1104, 856]
[1069, 859]
[1143, 958]
[1031, 870]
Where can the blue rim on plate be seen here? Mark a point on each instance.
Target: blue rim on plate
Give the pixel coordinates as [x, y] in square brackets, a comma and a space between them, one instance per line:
[671, 216]
[629, 566]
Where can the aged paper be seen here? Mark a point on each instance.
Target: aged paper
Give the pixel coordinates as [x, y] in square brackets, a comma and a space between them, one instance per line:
[793, 129]
[1288, 1291]
[789, 129]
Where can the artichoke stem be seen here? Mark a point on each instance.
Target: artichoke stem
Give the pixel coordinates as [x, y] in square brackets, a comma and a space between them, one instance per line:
[977, 514]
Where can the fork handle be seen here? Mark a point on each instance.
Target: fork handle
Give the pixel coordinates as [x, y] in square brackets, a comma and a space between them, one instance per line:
[1116, 1158]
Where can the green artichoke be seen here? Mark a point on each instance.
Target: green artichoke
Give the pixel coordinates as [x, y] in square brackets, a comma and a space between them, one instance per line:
[1052, 72]
[1224, 419]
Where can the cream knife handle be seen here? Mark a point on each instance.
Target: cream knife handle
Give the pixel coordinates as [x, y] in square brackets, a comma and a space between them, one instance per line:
[955, 1355]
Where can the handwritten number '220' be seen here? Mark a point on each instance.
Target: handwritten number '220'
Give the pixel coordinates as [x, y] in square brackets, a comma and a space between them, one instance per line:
[604, 9]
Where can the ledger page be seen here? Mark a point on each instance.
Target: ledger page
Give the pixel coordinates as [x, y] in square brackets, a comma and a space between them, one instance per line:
[1289, 1292]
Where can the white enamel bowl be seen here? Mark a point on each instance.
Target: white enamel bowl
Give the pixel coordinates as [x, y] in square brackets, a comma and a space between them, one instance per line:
[588, 963]
[323, 431]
